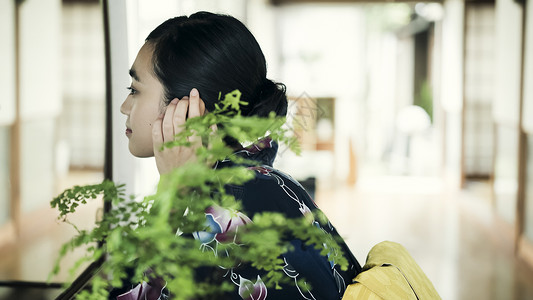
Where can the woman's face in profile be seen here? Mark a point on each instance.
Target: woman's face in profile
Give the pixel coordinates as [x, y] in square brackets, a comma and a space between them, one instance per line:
[143, 105]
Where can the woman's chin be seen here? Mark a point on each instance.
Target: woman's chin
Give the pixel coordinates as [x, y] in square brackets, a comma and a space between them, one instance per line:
[140, 153]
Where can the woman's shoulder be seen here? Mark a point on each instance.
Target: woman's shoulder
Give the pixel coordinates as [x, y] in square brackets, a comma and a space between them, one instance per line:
[275, 191]
[266, 172]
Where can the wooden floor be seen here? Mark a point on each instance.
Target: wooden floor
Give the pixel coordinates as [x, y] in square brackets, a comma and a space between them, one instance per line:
[34, 255]
[452, 234]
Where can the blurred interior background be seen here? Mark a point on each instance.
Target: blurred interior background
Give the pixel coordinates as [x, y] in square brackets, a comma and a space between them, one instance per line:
[415, 120]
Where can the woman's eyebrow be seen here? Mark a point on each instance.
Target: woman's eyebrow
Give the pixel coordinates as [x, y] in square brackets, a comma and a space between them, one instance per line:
[134, 75]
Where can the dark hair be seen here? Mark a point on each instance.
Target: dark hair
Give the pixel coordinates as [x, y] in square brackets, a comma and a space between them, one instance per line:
[215, 54]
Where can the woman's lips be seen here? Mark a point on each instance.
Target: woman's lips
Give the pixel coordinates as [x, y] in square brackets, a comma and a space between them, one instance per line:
[128, 132]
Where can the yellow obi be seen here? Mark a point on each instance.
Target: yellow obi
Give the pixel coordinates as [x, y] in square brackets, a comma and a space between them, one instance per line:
[390, 273]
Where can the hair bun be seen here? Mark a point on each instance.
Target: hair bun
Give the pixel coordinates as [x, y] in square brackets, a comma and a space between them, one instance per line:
[271, 96]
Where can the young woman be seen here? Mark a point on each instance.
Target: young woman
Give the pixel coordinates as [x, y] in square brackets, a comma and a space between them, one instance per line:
[178, 74]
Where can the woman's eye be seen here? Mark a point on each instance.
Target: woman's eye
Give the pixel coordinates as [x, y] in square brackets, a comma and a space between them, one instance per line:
[132, 90]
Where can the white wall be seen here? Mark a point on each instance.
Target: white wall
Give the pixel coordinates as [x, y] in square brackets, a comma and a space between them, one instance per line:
[508, 62]
[506, 106]
[261, 19]
[40, 59]
[126, 168]
[40, 99]
[527, 112]
[323, 55]
[451, 88]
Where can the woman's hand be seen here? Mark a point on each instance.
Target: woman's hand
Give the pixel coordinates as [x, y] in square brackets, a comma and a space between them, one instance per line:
[171, 123]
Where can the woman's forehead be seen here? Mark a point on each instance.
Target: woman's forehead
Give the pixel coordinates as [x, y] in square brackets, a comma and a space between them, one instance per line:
[141, 70]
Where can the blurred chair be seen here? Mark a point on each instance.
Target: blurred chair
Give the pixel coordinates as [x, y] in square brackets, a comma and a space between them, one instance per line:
[390, 273]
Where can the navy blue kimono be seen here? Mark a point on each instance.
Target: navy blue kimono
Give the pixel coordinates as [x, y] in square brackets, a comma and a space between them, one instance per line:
[273, 191]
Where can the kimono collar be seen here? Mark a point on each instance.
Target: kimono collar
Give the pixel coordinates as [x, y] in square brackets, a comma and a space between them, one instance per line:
[263, 151]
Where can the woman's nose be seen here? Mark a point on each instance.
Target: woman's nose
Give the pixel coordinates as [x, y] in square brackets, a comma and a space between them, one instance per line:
[125, 107]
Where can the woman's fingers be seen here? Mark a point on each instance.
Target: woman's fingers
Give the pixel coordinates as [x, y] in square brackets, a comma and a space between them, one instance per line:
[180, 115]
[178, 111]
[194, 106]
[168, 127]
[171, 123]
[196, 109]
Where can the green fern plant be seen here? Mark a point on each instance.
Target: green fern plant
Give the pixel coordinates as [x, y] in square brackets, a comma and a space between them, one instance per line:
[154, 232]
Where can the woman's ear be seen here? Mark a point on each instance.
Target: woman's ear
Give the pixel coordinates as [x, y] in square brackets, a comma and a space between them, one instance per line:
[163, 104]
